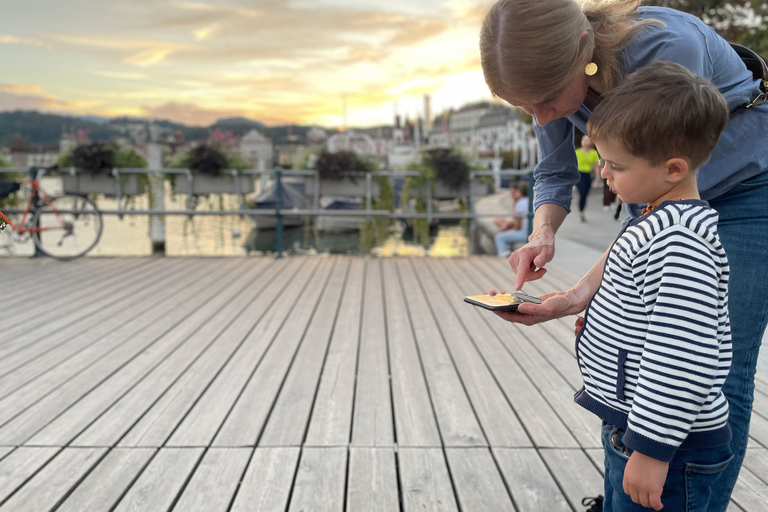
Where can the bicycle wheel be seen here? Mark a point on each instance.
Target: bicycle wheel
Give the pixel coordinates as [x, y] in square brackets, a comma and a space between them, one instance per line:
[7, 234]
[70, 226]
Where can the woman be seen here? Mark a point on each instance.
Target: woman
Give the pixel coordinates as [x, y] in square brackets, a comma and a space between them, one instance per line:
[514, 230]
[554, 59]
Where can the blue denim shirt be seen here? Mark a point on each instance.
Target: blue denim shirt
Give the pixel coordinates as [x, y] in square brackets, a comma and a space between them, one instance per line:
[741, 152]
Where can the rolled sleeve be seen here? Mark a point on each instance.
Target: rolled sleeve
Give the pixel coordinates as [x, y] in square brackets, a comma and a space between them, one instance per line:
[557, 171]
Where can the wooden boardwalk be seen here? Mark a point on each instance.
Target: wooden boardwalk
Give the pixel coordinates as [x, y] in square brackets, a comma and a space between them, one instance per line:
[304, 384]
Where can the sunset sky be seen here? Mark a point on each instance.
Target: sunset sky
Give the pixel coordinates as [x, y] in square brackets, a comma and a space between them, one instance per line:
[282, 61]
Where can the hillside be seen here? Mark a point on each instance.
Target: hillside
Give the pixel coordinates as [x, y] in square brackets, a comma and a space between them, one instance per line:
[46, 129]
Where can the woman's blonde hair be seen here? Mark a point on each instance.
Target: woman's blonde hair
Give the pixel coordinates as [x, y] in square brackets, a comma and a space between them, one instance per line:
[533, 48]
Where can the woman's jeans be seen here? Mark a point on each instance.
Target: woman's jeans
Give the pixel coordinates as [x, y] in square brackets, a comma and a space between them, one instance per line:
[691, 481]
[743, 229]
[505, 239]
[583, 186]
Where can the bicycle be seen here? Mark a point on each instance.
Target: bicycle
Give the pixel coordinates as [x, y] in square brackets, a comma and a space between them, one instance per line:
[63, 227]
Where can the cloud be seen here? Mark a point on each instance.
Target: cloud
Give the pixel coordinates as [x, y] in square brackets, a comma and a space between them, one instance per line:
[20, 40]
[13, 88]
[121, 75]
[148, 57]
[204, 33]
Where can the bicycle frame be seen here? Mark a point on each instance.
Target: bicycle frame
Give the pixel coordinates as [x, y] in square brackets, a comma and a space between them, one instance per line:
[22, 227]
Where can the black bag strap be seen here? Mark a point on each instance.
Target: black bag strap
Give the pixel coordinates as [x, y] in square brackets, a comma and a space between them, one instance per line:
[758, 65]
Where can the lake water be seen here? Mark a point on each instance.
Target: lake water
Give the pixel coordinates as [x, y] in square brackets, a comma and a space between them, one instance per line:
[233, 235]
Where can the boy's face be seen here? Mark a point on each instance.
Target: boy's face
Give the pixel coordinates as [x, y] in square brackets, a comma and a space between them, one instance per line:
[631, 177]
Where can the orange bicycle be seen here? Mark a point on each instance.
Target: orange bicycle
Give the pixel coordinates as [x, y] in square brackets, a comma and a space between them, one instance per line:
[63, 227]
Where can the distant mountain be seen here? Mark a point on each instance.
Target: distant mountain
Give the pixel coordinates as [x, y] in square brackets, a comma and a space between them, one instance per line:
[95, 119]
[46, 129]
[239, 121]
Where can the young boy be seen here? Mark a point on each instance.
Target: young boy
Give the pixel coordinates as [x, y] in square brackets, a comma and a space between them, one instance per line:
[655, 346]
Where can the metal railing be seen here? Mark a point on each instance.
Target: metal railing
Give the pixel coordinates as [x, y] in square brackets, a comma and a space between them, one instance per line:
[279, 211]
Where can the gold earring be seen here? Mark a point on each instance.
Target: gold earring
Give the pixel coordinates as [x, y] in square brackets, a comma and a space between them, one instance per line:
[590, 69]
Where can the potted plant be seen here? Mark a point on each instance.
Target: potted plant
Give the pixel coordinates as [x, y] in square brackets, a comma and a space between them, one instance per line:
[209, 163]
[94, 163]
[444, 173]
[343, 173]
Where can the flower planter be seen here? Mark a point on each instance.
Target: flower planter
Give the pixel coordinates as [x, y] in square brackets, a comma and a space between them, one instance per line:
[442, 191]
[345, 187]
[205, 184]
[130, 184]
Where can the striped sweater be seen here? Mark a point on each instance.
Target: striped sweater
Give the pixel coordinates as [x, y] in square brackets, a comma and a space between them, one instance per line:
[655, 347]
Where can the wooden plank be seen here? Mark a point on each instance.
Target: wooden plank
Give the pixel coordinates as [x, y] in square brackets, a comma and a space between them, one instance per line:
[320, 480]
[37, 297]
[53, 392]
[372, 481]
[29, 362]
[78, 311]
[529, 481]
[162, 480]
[425, 482]
[76, 404]
[33, 338]
[478, 484]
[288, 421]
[562, 352]
[246, 420]
[499, 421]
[541, 421]
[373, 424]
[575, 474]
[159, 422]
[5, 450]
[215, 481]
[750, 493]
[267, 483]
[206, 417]
[108, 481]
[527, 346]
[171, 383]
[758, 429]
[21, 283]
[756, 460]
[415, 423]
[331, 420]
[21, 465]
[458, 424]
[52, 483]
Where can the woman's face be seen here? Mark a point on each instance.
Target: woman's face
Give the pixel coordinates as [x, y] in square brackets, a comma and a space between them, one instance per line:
[555, 106]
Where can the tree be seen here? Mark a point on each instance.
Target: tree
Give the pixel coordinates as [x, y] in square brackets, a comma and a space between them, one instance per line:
[738, 21]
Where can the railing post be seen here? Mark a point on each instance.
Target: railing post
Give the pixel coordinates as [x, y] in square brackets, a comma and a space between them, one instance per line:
[35, 203]
[531, 182]
[278, 216]
[190, 188]
[118, 190]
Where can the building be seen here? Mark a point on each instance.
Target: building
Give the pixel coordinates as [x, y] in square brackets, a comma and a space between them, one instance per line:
[463, 123]
[257, 149]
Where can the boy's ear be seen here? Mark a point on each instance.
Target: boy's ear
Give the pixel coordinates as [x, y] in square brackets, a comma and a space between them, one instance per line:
[677, 169]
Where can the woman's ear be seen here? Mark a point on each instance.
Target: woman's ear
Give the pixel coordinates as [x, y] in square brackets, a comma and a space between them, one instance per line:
[677, 169]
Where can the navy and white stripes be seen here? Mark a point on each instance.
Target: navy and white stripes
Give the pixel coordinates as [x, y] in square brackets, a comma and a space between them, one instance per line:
[655, 348]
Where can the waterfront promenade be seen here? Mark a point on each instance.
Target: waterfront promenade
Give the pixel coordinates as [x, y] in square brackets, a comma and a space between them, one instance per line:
[326, 383]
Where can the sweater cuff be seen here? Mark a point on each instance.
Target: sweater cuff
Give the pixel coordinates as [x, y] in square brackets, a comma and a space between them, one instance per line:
[647, 446]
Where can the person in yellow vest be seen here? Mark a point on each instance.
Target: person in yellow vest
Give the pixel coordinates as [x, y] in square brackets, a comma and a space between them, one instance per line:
[587, 158]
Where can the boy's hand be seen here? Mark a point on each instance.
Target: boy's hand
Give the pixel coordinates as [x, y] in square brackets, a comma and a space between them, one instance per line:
[644, 479]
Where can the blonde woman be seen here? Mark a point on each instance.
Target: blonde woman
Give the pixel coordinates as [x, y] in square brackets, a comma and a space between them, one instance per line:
[555, 58]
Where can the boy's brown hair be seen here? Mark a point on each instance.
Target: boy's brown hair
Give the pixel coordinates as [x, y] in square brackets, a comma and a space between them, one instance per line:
[662, 111]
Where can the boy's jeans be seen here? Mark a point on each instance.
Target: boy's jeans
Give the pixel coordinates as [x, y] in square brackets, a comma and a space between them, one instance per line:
[690, 483]
[743, 229]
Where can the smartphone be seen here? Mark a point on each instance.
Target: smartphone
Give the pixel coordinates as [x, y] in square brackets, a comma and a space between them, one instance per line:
[501, 301]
